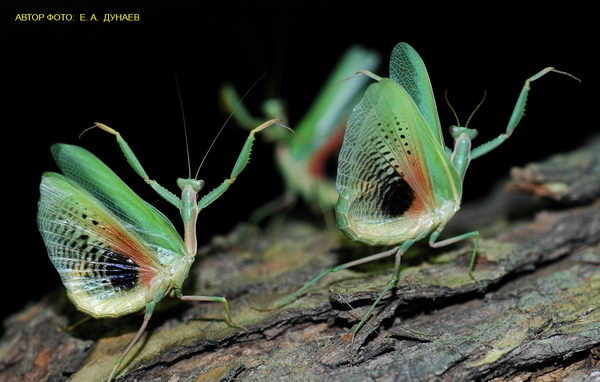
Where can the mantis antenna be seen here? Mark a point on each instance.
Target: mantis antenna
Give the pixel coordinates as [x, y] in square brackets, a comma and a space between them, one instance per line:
[476, 108]
[187, 145]
[451, 108]
[225, 123]
[472, 113]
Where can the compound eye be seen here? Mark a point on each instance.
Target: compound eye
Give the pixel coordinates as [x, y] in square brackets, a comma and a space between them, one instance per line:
[455, 131]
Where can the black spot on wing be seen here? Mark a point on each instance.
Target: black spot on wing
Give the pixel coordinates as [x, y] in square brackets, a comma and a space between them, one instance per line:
[101, 268]
[122, 271]
[385, 191]
[396, 197]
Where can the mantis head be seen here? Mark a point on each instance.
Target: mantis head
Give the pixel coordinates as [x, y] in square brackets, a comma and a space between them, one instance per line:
[456, 131]
[196, 184]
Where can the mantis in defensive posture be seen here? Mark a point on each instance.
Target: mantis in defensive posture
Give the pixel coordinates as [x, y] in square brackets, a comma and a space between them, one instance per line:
[397, 181]
[115, 253]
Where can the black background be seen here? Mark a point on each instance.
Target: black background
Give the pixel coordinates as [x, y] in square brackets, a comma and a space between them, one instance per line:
[63, 76]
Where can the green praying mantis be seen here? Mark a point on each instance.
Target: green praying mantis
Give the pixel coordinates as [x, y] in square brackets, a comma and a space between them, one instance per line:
[397, 181]
[301, 160]
[115, 253]
[397, 184]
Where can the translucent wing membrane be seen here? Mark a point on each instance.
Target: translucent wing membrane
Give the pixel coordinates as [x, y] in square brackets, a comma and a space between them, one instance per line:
[407, 69]
[103, 184]
[105, 267]
[384, 170]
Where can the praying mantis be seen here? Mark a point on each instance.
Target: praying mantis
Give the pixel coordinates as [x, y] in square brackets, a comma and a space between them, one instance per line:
[397, 181]
[115, 253]
[301, 160]
[397, 184]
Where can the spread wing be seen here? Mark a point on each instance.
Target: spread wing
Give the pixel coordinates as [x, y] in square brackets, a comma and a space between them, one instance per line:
[407, 69]
[106, 246]
[385, 185]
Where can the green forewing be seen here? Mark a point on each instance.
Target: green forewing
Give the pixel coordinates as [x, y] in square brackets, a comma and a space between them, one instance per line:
[407, 69]
[94, 176]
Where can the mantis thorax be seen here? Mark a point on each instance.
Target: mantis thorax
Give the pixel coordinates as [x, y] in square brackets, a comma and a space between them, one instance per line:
[189, 211]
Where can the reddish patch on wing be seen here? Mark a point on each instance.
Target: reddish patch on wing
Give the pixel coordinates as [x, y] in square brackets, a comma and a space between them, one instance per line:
[316, 166]
[420, 182]
[125, 245]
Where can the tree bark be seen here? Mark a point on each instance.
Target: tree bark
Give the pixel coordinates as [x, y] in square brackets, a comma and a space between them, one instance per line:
[533, 312]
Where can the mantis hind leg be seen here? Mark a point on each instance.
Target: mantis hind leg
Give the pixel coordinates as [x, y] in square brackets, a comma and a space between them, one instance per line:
[222, 300]
[404, 247]
[337, 268]
[474, 234]
[75, 325]
[398, 251]
[148, 313]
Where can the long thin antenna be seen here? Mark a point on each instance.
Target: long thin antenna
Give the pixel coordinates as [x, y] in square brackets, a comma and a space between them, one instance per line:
[187, 144]
[451, 108]
[476, 108]
[225, 123]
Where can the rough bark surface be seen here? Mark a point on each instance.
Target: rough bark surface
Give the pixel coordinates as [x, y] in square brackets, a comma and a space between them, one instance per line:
[532, 314]
[572, 178]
